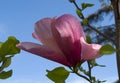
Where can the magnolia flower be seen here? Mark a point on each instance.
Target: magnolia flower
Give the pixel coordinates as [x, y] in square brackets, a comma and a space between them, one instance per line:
[63, 41]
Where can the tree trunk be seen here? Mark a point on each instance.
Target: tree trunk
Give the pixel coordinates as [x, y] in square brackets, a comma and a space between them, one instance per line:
[116, 5]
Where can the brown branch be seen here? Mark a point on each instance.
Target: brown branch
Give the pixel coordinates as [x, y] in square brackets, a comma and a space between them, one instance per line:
[117, 22]
[105, 36]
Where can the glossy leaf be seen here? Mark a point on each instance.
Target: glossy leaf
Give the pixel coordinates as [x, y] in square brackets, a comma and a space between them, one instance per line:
[85, 5]
[107, 49]
[58, 75]
[9, 47]
[4, 74]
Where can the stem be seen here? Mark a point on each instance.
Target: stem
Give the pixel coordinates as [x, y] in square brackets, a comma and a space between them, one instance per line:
[78, 8]
[81, 75]
[105, 36]
[89, 69]
[76, 5]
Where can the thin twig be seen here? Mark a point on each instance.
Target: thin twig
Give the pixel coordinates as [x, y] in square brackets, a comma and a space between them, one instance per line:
[105, 36]
[78, 8]
[81, 75]
[89, 69]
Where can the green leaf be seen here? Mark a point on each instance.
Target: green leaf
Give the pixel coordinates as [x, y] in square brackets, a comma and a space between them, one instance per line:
[85, 21]
[93, 78]
[1, 44]
[9, 47]
[98, 81]
[83, 70]
[88, 39]
[7, 62]
[93, 63]
[58, 75]
[5, 75]
[107, 49]
[85, 5]
[79, 13]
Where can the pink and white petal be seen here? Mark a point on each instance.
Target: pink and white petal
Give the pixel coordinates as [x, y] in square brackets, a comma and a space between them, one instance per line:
[44, 34]
[67, 31]
[35, 36]
[42, 30]
[43, 51]
[90, 51]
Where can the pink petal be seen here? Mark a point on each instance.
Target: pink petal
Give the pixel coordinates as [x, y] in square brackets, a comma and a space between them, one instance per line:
[44, 34]
[42, 29]
[35, 36]
[43, 51]
[67, 31]
[89, 51]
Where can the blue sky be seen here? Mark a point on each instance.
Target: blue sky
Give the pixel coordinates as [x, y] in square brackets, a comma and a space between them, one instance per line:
[17, 18]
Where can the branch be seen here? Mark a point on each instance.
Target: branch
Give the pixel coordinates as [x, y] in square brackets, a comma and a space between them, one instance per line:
[117, 22]
[89, 69]
[81, 75]
[97, 16]
[105, 36]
